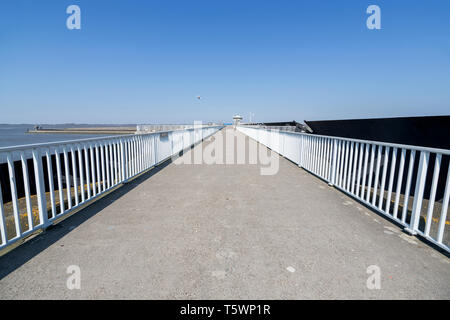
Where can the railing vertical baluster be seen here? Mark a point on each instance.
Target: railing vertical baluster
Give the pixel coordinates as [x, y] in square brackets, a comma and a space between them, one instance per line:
[26, 185]
[377, 174]
[305, 152]
[334, 163]
[327, 159]
[131, 152]
[345, 174]
[88, 173]
[408, 185]
[129, 172]
[149, 143]
[50, 182]
[370, 173]
[324, 157]
[126, 158]
[113, 163]
[80, 161]
[67, 173]
[149, 150]
[338, 162]
[317, 153]
[97, 165]
[116, 162]
[102, 157]
[60, 182]
[122, 159]
[312, 147]
[93, 176]
[40, 188]
[143, 152]
[383, 177]
[391, 180]
[434, 183]
[362, 147]
[12, 181]
[315, 156]
[300, 151]
[341, 164]
[108, 165]
[350, 164]
[4, 235]
[139, 146]
[418, 194]
[136, 158]
[364, 176]
[320, 157]
[355, 168]
[74, 169]
[330, 159]
[445, 200]
[117, 154]
[133, 157]
[399, 182]
[308, 152]
[155, 149]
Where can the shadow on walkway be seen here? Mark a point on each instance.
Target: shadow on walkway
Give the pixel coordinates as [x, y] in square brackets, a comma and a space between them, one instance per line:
[29, 249]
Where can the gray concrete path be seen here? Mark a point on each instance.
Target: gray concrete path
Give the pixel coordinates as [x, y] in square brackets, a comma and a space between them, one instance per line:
[225, 232]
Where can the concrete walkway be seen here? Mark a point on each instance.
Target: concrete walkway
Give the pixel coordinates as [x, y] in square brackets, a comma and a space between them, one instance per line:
[225, 232]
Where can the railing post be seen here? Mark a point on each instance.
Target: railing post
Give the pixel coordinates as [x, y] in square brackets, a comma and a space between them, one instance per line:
[418, 194]
[40, 188]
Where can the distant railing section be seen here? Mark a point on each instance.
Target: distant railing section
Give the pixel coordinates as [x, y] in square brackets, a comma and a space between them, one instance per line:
[150, 128]
[43, 182]
[273, 127]
[408, 184]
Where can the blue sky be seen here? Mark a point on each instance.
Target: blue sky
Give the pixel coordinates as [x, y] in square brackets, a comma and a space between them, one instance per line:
[146, 61]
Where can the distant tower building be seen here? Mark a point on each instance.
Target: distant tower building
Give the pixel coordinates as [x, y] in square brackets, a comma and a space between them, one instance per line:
[237, 119]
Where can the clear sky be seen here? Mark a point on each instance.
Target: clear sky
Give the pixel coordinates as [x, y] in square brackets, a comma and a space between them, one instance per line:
[139, 61]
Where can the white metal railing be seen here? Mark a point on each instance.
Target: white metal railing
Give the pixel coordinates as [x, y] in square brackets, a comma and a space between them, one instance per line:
[44, 182]
[389, 178]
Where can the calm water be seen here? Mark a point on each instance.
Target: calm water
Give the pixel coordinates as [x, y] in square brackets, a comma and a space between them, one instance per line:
[15, 134]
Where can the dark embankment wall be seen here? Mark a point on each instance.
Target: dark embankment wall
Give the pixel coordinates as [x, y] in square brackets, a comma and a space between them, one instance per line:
[418, 131]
